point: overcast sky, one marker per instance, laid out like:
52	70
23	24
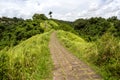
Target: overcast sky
62	9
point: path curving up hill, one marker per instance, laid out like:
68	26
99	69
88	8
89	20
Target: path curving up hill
67	66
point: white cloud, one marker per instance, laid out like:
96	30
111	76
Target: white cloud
107	9
62	9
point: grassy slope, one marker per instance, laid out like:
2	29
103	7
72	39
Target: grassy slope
47	25
102	55
74	43
29	60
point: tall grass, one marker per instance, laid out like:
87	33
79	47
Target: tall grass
77	45
108	58
103	55
48	25
29	60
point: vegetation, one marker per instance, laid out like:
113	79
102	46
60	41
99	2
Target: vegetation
15	30
65	25
24	45
93	28
105	35
29	60
102	54
23	57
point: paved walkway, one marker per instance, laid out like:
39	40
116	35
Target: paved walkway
67	66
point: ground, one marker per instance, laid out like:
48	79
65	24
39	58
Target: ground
67	66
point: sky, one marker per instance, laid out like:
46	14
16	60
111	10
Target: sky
62	9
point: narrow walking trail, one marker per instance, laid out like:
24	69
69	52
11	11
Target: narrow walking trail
67	66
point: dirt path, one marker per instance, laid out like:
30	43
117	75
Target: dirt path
67	66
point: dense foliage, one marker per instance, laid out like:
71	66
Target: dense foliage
105	33
14	30
93	28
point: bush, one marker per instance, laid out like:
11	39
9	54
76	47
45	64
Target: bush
108	48
4	64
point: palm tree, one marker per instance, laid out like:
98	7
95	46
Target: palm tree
50	13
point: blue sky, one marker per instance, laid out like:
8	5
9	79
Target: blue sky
62	9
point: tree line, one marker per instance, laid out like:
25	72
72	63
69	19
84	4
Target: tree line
14	30
93	28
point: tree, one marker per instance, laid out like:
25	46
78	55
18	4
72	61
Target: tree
112	19
39	17
50	13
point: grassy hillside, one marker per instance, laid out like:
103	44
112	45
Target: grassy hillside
26	56
15	30
103	55
57	25
30	60
47	25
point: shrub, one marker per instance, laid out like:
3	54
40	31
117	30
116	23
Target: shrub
108	48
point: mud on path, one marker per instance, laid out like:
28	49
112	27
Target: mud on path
67	66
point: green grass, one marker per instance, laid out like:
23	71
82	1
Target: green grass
48	25
75	44
30	60
103	55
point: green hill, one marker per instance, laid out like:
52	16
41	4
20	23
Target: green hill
24	52
30	60
15	30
